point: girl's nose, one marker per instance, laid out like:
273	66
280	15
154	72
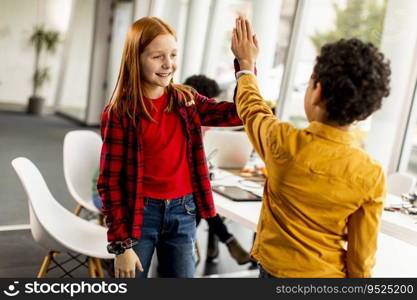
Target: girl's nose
167	63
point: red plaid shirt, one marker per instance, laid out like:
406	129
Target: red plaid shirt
121	166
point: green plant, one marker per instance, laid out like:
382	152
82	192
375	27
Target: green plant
44	41
363	19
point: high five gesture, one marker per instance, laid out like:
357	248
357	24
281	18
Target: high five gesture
245	46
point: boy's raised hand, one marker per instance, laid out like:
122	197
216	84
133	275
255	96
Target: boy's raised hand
244	44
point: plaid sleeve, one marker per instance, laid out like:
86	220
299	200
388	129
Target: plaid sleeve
213	113
109	181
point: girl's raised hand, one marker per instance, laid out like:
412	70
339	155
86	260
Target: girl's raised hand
245	46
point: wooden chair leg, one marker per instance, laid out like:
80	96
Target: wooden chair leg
45	264
91	268
99	269
78	209
101	219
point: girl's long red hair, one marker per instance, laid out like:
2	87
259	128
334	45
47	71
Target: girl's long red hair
127	94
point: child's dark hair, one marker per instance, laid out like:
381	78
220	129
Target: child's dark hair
354	77
203	85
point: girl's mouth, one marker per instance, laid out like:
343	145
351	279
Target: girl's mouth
163	74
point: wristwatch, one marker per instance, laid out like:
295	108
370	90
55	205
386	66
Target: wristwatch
120	247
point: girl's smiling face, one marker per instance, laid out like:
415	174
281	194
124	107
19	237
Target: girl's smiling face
158	63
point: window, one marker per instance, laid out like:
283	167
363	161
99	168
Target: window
322	22
408	161
272	24
219	58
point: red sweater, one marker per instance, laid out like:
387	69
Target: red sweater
166	171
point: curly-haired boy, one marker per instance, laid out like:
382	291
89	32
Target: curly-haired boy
324	196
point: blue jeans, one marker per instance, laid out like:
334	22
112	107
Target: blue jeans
169	226
263	273
97	202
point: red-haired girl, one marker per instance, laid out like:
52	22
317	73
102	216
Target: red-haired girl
153	173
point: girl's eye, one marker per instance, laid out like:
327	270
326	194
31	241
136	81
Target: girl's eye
157	57
174	55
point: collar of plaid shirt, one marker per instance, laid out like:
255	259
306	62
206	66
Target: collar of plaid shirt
121	166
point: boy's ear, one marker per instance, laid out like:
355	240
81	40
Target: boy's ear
317	95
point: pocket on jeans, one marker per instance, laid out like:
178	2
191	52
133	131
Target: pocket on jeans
190	207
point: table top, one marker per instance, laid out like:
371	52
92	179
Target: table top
248	176
395	224
244	213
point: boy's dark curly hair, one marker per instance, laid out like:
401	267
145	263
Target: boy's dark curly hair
354	77
203	85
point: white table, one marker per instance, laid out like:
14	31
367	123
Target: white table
400	226
394	224
244	213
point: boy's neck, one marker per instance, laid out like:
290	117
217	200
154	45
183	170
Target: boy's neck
335	125
321	116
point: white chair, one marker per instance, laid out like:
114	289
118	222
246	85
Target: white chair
55	228
400	183
81	159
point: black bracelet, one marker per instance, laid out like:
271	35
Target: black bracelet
120	247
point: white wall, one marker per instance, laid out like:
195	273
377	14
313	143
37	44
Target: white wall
74	93
17	19
174	12
121	23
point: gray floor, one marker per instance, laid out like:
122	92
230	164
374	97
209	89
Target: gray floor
21	256
40	139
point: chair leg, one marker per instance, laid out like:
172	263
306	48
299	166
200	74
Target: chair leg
78	209
91	268
45	264
99	269
101	219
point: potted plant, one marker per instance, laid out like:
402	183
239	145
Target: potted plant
43	41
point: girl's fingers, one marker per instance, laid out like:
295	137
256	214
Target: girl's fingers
243	28
255	41
234	37
238	29
139	266
249	31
